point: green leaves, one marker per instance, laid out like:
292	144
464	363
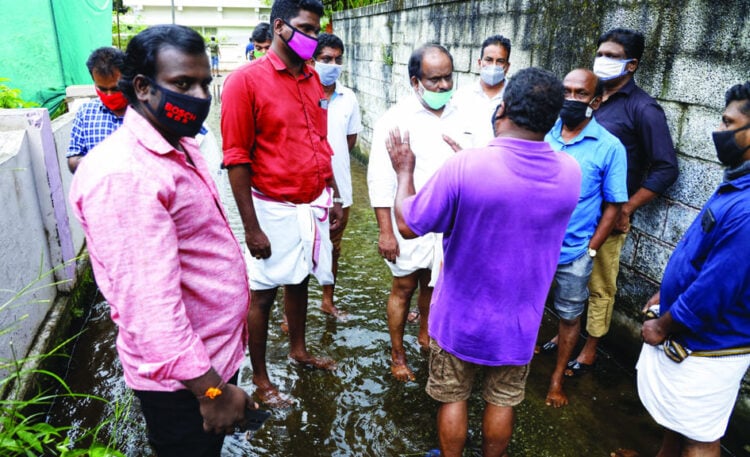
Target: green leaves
11	98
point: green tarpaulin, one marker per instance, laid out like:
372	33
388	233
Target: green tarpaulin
46	43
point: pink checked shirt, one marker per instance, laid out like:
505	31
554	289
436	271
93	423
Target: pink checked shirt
163	256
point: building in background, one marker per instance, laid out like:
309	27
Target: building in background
230	21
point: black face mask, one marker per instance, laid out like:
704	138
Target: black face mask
727	149
180	113
574	112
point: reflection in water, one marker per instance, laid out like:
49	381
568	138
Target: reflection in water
360	410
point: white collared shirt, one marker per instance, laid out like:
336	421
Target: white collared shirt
344	119
476	110
425	136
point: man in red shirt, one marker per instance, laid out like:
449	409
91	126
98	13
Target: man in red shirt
274	127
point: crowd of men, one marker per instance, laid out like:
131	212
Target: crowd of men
522	187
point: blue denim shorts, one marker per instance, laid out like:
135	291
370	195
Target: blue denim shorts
570	286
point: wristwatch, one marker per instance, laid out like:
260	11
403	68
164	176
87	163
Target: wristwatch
592	253
338	200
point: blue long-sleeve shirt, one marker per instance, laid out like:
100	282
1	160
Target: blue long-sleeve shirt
706	284
637	120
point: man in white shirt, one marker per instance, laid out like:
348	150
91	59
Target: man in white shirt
425	114
344	124
478	101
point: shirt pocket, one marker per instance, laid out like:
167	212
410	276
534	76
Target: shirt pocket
591	180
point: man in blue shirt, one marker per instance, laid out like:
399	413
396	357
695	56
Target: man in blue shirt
603	165
97	119
704	304
637	120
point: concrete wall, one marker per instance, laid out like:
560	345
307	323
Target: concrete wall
37	238
696	49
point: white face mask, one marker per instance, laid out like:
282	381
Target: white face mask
328	72
492	75
607	68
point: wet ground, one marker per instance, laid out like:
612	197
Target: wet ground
359	410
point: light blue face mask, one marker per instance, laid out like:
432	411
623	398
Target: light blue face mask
435	100
492	75
328	72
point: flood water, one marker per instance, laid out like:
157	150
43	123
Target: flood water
360	410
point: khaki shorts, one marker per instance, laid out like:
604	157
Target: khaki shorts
451	379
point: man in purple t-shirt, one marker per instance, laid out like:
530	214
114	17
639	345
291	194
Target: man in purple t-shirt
503	210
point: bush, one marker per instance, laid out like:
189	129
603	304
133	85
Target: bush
11	98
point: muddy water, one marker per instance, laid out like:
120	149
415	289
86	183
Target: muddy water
359	410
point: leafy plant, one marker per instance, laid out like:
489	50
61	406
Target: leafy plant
11	98
24	430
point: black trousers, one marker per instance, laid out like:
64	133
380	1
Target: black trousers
175	424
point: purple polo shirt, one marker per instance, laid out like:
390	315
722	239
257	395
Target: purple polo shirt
503	210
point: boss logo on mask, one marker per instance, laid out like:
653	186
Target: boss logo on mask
178	114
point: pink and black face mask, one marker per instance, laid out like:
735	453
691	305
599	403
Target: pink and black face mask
302	45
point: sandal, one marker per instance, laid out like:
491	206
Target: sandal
413	317
576	368
548	347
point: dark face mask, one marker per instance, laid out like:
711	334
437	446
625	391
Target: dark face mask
180	113
574	112
727	149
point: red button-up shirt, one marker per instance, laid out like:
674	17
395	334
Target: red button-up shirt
277	123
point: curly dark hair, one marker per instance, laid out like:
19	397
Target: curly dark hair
140	56
533	98
105	61
328	40
740	92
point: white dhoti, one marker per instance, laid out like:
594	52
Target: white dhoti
300	242
694	398
415	254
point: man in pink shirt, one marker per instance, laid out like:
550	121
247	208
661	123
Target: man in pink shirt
162	250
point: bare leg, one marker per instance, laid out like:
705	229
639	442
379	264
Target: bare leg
398	305
567	337
423	302
452	424
588	353
497	428
671	444
295	304
328	306
693	448
257	323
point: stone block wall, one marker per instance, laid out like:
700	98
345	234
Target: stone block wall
695	50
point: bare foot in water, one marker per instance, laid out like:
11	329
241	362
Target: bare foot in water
624	453
320	363
272	398
330	308
555	396
399	369
402	372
